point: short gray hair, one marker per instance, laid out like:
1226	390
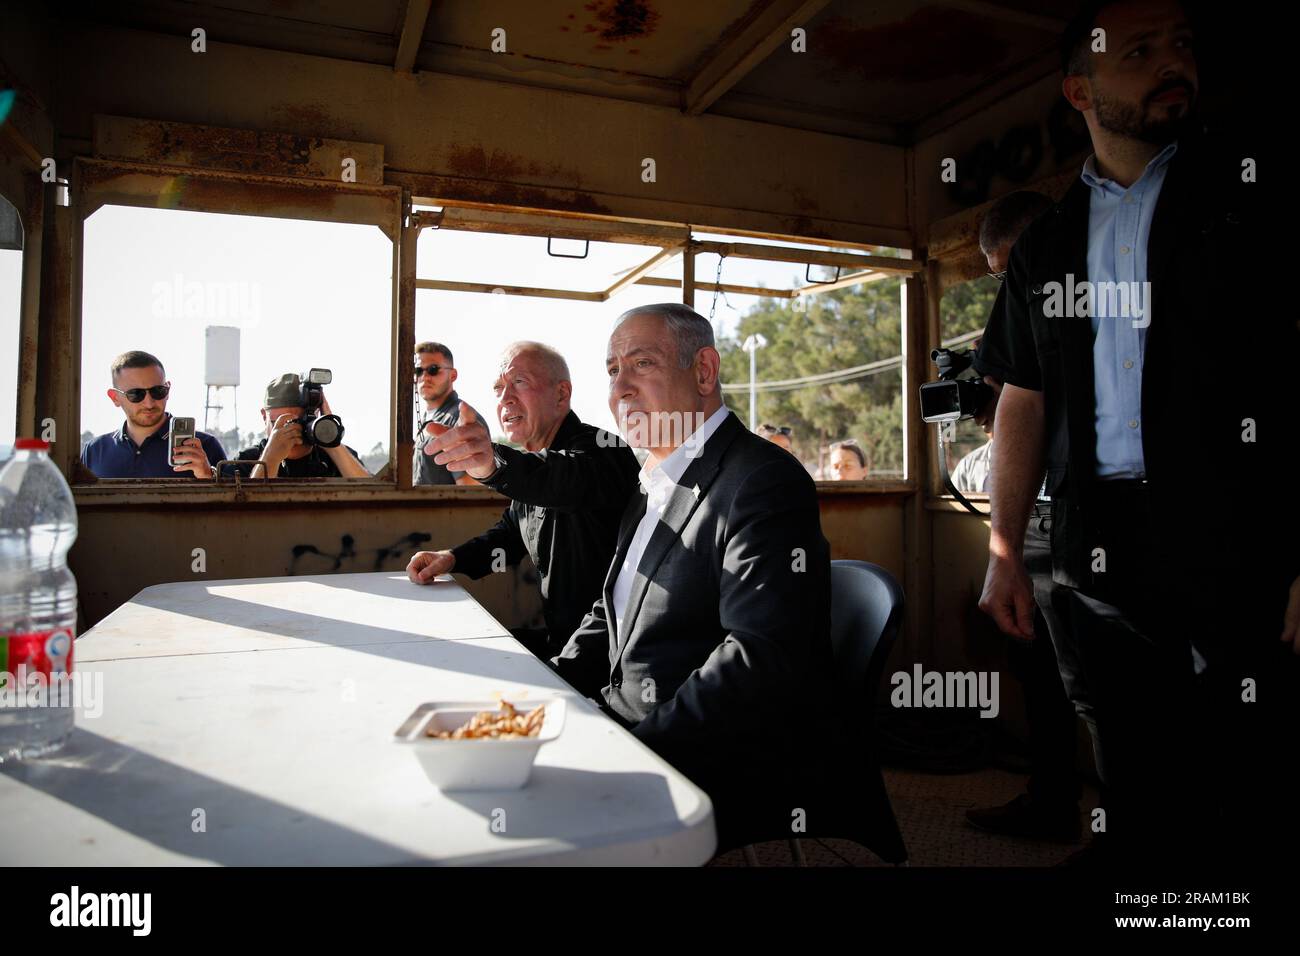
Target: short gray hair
557	369
690	330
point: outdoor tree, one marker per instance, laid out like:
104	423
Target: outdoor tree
839	330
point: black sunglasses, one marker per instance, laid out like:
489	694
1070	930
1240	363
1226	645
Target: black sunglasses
782	430
134	395
430	370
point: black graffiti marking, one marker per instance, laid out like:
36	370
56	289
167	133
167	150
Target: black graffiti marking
399	550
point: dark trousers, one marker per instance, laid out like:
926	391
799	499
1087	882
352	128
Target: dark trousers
1165	637
535	640
1053	777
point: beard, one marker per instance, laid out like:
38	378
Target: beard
436	397
1144	121
142	419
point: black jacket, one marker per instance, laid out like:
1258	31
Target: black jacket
566	505
318	464
725	662
1213	405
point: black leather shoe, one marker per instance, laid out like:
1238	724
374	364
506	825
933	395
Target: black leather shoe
1023	818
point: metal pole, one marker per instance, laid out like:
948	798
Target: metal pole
753	392
751	345
688	272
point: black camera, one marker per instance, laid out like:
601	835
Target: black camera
318	429
951	398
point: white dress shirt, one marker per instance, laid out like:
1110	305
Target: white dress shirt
657	484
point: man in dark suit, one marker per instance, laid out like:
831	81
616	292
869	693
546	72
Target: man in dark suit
1116	299
711	638
568	488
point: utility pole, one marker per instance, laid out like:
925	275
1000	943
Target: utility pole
752	345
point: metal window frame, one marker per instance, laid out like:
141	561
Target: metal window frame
97	183
671	241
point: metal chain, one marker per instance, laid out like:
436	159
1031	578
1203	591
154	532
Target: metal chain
717	287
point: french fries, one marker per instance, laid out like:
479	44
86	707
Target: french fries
503	724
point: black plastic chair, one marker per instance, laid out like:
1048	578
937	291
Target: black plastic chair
866	616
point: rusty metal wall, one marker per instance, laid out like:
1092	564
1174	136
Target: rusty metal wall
460	138
123	549
120	550
1027	137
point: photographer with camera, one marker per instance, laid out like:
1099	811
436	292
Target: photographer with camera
1049	809
303	437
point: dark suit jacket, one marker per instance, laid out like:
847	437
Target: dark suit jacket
565	512
1205	376
724	662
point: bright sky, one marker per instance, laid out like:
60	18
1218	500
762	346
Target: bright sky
476	326
310	294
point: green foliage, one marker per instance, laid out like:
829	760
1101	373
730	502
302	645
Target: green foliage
839	330
965	307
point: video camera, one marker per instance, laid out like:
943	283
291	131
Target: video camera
951	398
318	429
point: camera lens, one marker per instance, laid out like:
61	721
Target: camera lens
327	431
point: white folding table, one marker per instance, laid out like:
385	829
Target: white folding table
251	722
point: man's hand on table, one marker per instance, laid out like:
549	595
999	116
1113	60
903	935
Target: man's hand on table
427	565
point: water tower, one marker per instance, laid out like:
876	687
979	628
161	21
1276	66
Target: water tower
220	371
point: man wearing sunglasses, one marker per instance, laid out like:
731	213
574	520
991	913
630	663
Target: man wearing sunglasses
434	377
139	448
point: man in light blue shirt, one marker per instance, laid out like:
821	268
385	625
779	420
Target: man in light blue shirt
1119	225
1163	601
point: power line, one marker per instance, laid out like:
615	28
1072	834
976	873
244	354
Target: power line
845	374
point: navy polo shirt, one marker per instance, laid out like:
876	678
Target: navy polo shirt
116	455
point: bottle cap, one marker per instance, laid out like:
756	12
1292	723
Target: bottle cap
33	444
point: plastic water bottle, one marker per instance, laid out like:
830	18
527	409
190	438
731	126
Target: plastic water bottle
38	603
